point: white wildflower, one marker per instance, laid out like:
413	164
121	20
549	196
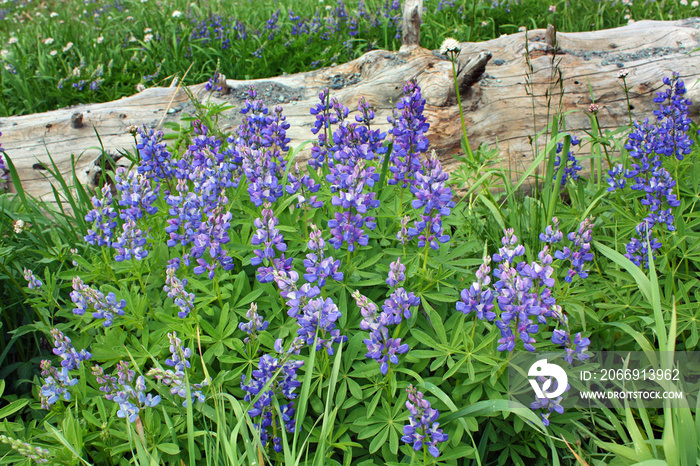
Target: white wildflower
695	4
100	39
147	30
18	225
684	2
140	87
68	46
147	38
12	40
522	29
53	53
450	45
48	41
552	9
177	14
53	14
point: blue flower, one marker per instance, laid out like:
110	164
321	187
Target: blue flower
423	428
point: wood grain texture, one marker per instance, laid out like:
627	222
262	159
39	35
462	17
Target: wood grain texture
498	109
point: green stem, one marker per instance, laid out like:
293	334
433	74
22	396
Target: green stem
461	110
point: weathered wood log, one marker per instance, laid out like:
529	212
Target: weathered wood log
498	104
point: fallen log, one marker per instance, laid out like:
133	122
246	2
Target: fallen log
503	82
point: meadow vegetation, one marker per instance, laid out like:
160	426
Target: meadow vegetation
219	303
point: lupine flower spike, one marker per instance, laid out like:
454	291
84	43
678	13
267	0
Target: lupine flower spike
423	428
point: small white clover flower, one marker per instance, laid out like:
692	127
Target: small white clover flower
147	30
695	4
684	2
100	39
48	41
68	46
18	226
12	40
450	45
147	38
177	14
53	14
53	53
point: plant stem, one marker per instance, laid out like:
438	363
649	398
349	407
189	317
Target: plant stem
461	110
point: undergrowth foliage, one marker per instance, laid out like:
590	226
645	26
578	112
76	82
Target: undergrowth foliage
227	304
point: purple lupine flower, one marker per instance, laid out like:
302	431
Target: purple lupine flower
510	248
269	239
199	218
176	291
260	142
402	234
581	254
254	325
435	199
672	117
552	234
319	267
479	298
63	347
423	428
408	135
155	159
571	165
547	406
398	305
56	384
216	83
58	381
379	346
646	143
524	291
107	383
32	281
268	366
320	315
102	217
637	249
328	112
304	187
177	380
397	273
354	145
107	308
136	195
85	297
616	178
179	356
131	243
129	393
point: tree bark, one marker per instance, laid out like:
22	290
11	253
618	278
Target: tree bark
506	96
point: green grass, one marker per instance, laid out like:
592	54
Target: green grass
49	47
